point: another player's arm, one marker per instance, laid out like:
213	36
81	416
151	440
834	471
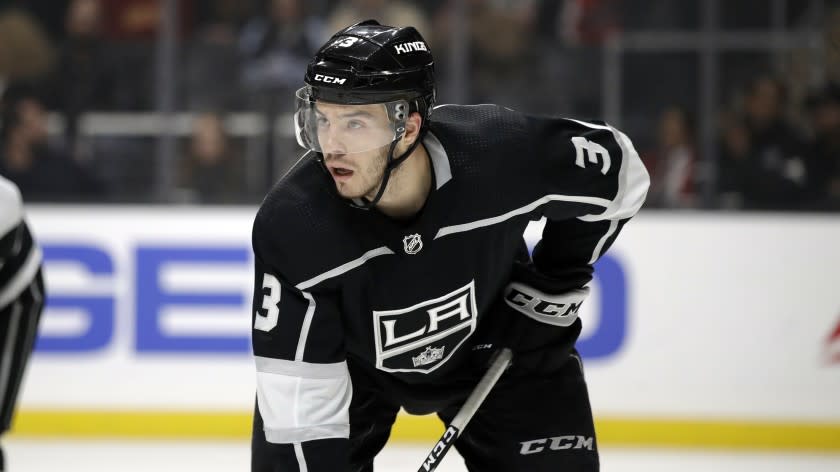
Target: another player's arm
21	297
301	418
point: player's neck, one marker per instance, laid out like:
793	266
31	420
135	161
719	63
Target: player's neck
408	187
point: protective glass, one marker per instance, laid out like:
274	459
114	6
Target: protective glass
337	128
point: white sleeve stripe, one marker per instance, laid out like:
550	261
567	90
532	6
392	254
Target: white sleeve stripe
521	211
307	370
590	125
296	409
311	433
346	267
23	278
304	330
300	457
600	246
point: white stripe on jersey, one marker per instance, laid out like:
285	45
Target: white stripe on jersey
304	330
598	247
346	267
9	350
447	230
320	397
300	457
22	278
439	158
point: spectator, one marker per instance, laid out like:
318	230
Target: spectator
771	174
589	21
213	52
275	47
397	13
41	173
735	148
824	157
212	171
502	55
84	78
672	164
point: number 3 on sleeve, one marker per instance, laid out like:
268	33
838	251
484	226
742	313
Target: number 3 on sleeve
268	321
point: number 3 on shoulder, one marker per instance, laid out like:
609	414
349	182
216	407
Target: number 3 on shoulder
268	321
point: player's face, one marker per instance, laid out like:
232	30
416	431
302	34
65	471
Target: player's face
342	129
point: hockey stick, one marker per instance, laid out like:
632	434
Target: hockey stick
479	393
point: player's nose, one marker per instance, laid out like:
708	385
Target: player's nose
331	144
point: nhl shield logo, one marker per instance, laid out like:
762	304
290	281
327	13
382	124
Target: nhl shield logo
412	243
422	337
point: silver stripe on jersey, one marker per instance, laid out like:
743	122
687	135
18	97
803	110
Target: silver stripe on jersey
346	267
307	322
300	457
447	230
16	325
307	370
440	161
596	253
34	312
22	279
9	350
291	167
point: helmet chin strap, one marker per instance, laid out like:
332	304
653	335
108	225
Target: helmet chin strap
393	163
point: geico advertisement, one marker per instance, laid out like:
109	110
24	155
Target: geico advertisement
689	315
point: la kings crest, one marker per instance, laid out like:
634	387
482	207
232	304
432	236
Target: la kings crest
424	336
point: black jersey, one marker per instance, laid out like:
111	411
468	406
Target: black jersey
406	298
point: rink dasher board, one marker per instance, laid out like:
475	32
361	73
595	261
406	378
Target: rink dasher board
726	323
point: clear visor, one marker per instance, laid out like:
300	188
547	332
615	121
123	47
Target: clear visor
336	128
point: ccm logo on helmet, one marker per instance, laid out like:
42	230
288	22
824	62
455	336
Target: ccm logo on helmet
328	79
411	47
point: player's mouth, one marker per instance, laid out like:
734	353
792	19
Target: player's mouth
340	174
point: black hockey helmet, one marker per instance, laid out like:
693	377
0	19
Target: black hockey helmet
368	64
372	63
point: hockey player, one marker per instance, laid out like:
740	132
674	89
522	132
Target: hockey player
390	264
21	299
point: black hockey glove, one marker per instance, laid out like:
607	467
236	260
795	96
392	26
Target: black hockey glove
542	324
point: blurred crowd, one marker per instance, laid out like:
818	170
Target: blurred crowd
777	131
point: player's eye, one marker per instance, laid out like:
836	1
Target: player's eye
322	122
355	124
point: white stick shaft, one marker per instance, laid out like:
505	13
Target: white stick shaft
468	409
480	392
